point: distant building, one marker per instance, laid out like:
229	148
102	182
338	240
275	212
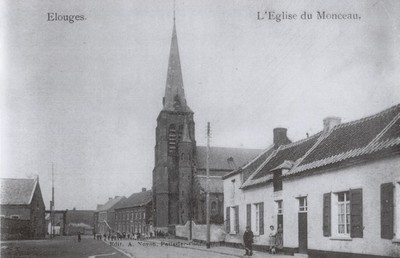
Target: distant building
105	216
134	214
335	194
180	165
22	209
60	217
79	221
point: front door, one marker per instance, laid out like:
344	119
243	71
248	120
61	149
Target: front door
303	232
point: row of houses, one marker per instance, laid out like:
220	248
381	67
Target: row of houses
335	193
132	215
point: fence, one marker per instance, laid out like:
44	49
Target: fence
199	232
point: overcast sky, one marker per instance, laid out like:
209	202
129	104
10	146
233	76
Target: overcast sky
86	95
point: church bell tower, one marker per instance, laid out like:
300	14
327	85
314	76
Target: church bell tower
175	144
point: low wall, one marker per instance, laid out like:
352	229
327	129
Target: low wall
199	232
15	229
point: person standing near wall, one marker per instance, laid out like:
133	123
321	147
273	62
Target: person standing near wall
272	240
248	241
279	238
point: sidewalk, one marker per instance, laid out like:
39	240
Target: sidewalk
234	252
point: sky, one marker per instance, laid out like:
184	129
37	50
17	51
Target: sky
85	95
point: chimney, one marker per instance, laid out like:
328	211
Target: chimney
143	189
231	163
109	198
280	136
330	122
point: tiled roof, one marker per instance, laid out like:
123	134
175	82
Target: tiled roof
216	184
376	135
291	152
353	140
108	206
219	157
135	200
16	191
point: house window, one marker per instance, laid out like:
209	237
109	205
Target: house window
144	215
302	204
233	188
343	213
397	211
233	219
14	216
257	218
390	211
279	207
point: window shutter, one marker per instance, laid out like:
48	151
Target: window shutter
356	220
327	215
248	207
387	215
237	219
228	219
262	218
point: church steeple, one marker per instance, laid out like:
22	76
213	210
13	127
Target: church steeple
174	99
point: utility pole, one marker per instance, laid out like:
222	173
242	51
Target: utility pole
52	201
208	185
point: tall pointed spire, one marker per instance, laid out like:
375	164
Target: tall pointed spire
174	99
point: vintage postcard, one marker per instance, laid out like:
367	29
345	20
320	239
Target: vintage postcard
186	128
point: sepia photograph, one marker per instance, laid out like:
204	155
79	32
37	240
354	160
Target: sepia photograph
183	128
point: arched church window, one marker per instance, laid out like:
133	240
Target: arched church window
171	139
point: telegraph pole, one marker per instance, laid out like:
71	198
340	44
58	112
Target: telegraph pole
208	185
52	201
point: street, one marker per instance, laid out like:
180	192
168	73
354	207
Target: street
66	247
60	247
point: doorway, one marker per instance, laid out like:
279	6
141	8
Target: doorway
303	236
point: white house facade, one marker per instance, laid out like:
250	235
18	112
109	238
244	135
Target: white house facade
336	193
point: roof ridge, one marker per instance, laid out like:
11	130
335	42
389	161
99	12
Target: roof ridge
206	176
319	140
257	170
249	163
238	148
17	178
258	156
384	130
367	117
33	190
292	144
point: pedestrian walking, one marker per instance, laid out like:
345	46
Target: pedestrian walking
248	241
79	236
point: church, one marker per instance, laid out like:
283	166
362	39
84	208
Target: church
179	174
